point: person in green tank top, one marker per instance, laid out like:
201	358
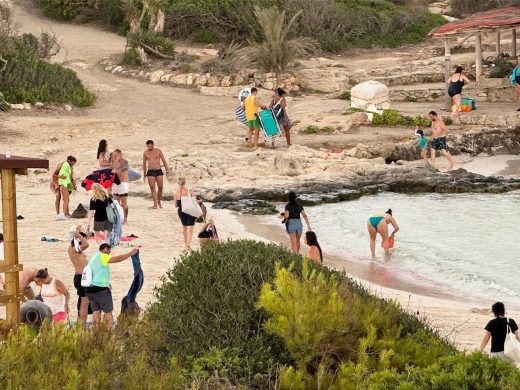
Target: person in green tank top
98	293
423	144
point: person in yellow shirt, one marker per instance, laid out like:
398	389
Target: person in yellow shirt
66	185
252	105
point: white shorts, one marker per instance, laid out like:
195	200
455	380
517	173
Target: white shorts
120	189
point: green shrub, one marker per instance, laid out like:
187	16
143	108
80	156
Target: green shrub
344	95
313	129
217	65
394	118
206	35
410	99
503	68
61	9
352	110
131	57
65	358
157	42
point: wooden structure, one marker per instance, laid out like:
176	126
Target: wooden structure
10	166
493	21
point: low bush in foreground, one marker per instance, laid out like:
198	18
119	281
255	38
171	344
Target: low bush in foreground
248	315
394	118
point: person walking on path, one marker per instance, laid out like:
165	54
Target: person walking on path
455	83
152	158
98	211
103	156
379	224
187	220
62	184
439	140
279	104
120	191
423	144
54	294
314	253
76	251
99	293
497	329
293	222
252	105
515	79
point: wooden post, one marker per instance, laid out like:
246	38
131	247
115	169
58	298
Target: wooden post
447	71
478	54
498	50
10	244
513	43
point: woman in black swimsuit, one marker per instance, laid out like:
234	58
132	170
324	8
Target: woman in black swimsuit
456	82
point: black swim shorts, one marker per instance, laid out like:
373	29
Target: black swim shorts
154	172
439	143
79	288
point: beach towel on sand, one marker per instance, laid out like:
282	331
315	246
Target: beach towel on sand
105	177
128	304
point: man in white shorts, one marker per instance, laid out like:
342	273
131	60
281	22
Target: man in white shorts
120	191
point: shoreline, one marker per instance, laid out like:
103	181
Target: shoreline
461	321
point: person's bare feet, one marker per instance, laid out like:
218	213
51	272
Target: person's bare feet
154	207
160	205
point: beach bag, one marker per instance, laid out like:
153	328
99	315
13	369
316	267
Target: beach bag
241	115
469	102
86	276
80	212
190	205
133	175
511	345
278	112
111	210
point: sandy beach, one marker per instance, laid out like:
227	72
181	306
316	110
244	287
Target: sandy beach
202	142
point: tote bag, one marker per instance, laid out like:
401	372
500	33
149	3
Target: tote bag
111	213
190	205
511	345
86	276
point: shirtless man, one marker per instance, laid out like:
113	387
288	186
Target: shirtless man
120	191
152	158
438	142
27	276
79	261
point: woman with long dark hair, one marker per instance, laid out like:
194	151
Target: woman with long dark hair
102	154
293	222
379	224
314	253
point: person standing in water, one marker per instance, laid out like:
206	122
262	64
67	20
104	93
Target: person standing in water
54	294
76	252
497	329
379	224
455	83
439	141
152	158
187	220
314	253
103	156
293	222
120	191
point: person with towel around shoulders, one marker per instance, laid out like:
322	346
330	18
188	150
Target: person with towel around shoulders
187	221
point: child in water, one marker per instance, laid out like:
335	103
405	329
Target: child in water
423	143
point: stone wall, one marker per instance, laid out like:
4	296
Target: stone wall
483	94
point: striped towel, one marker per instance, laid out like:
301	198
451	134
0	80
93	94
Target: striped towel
241	115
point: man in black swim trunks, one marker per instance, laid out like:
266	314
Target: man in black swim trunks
438	142
77	247
152	158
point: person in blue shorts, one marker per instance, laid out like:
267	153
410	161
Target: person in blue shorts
293	222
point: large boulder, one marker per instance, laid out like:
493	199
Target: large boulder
370	93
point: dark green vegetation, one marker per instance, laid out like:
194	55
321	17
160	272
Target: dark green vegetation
245	314
503	68
464	8
335	24
29	77
394	118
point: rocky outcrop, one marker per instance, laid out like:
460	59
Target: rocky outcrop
401	179
248	206
370	95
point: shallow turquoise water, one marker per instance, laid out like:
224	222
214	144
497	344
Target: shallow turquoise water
466	243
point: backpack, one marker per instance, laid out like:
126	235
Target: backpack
80	212
86	276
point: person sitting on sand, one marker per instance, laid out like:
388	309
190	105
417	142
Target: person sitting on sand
379	224
98	293
279	104
497	329
54	294
120	191
455	83
423	144
208	233
152	158
103	156
314	253
252	105
439	141
76	251
187	220
293	222
98	211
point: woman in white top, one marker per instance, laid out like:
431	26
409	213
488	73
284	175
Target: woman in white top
54	294
102	154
